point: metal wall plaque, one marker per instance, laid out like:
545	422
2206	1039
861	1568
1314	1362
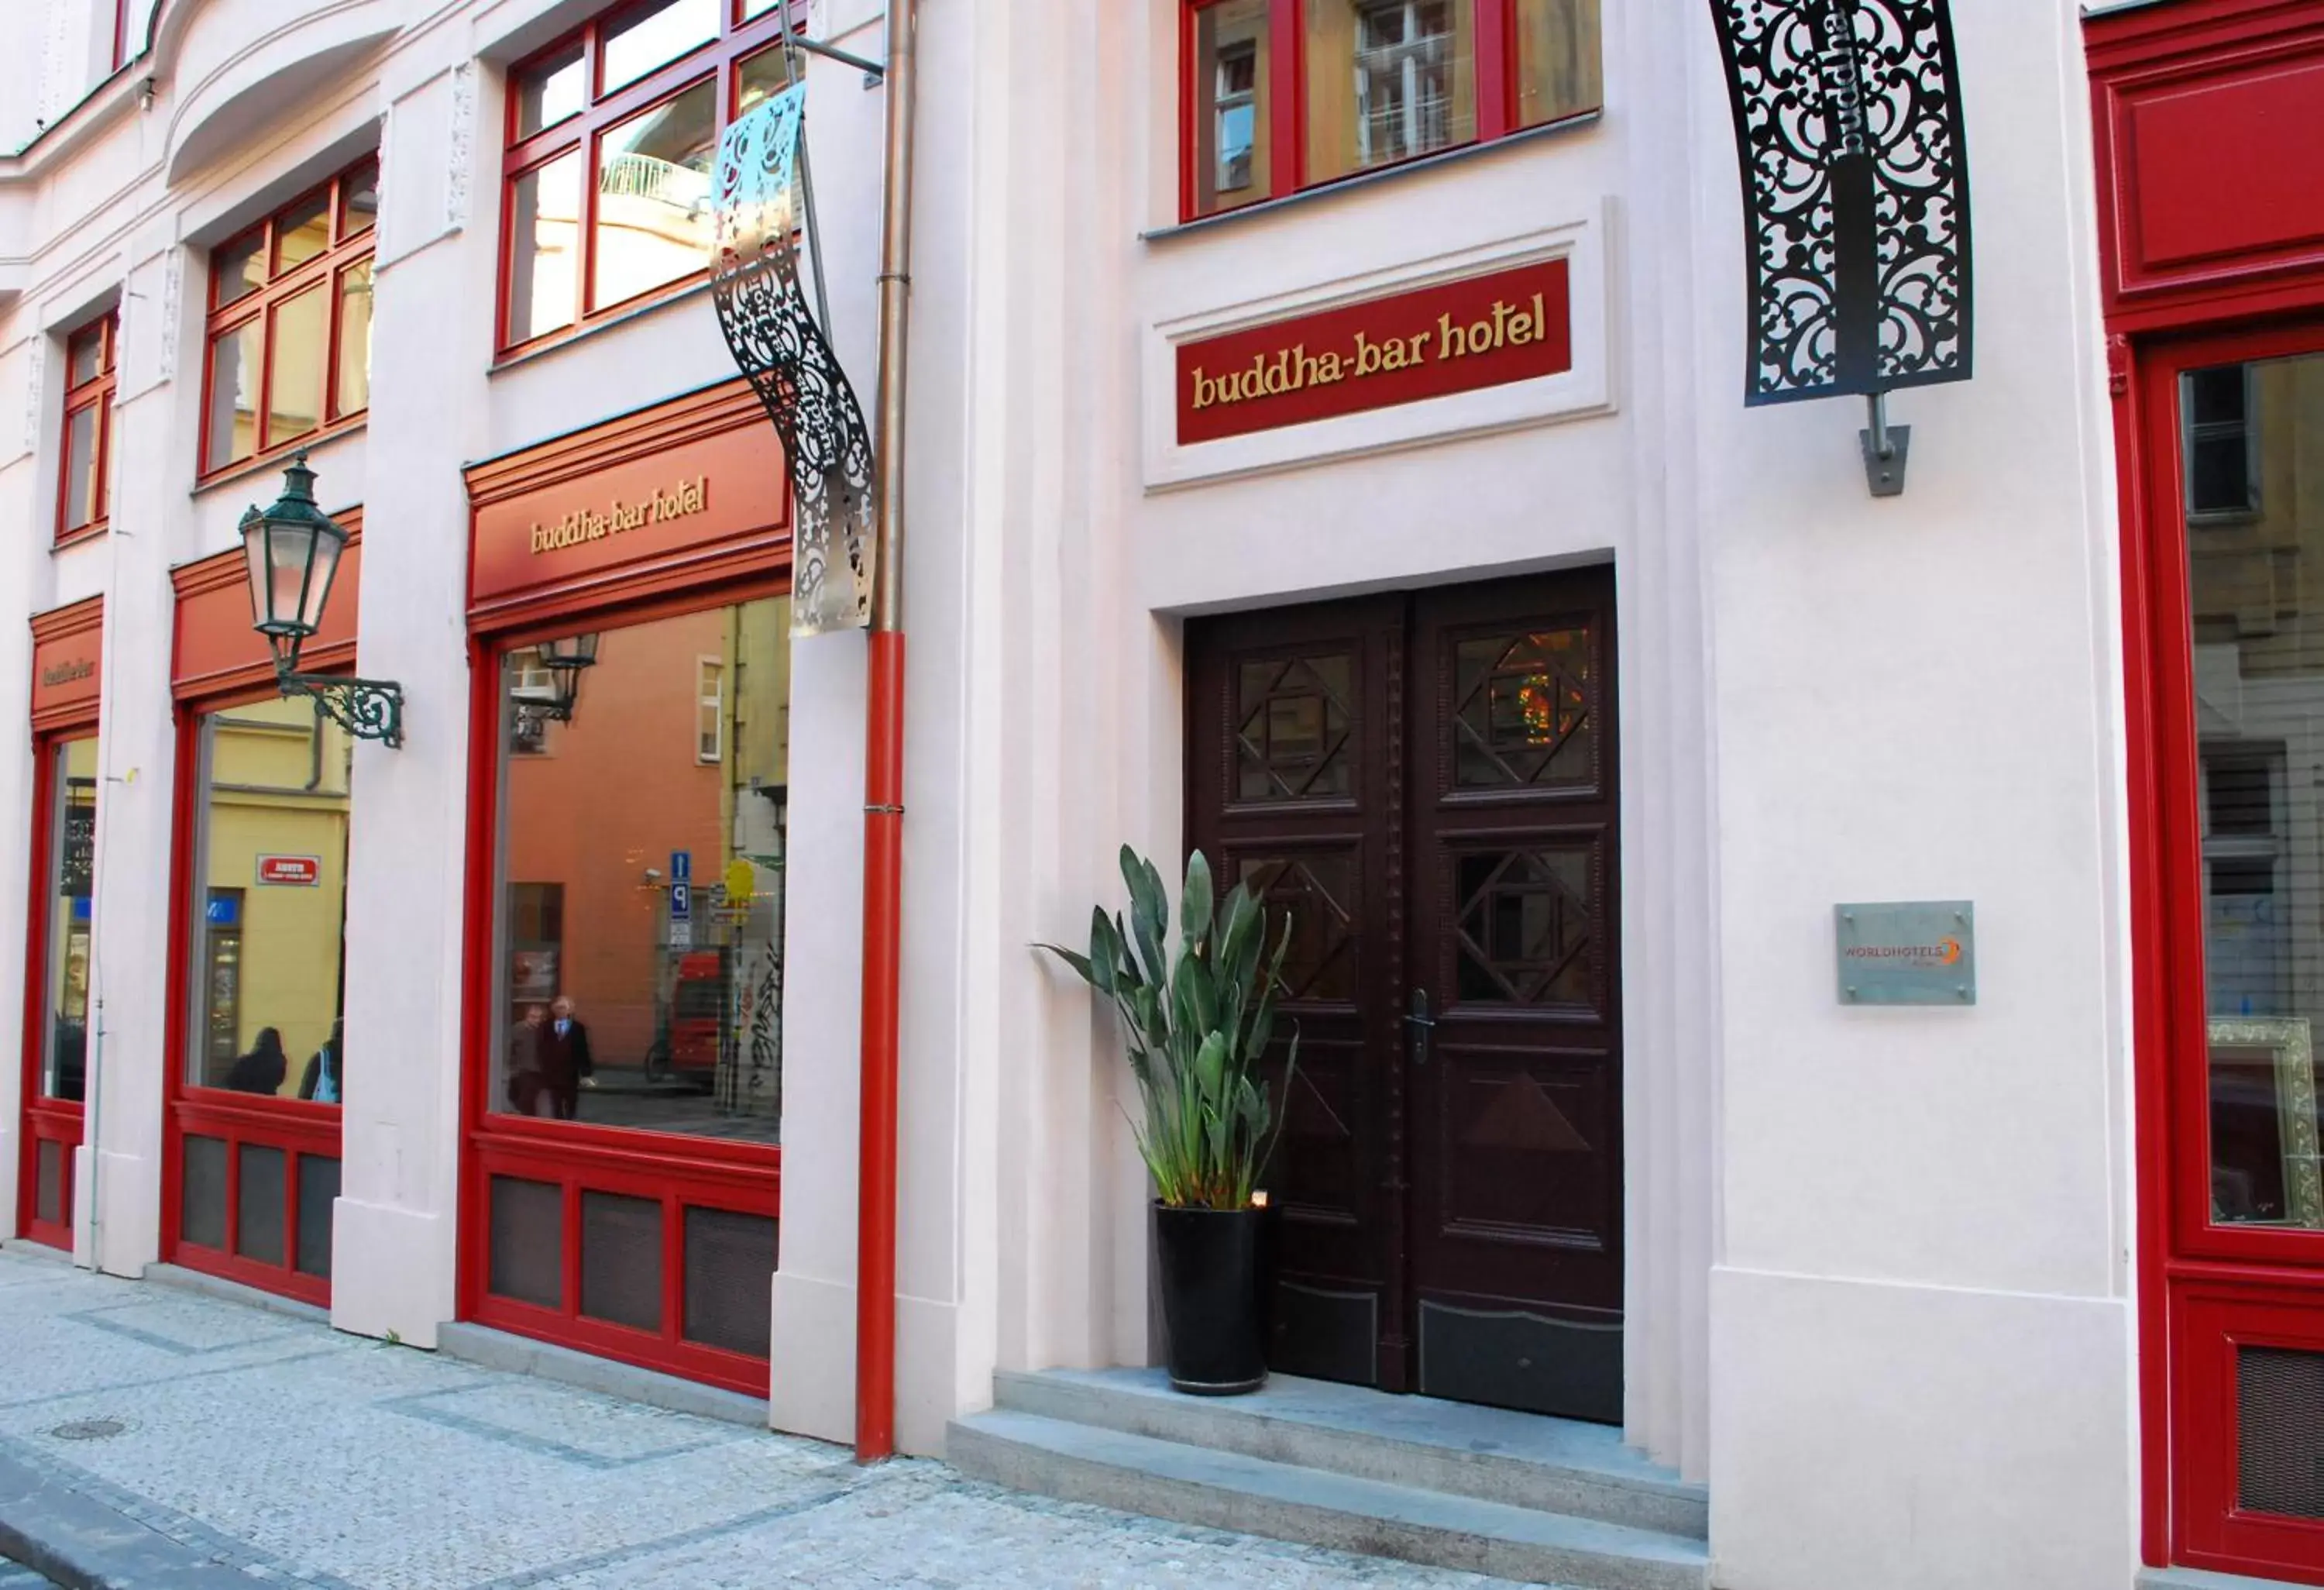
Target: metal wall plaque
1917	952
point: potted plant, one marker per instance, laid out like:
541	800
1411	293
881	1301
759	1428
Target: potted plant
1197	1019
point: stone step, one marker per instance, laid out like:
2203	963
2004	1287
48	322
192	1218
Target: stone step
1519	1459
1234	1490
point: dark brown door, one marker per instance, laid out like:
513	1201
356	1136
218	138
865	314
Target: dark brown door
1426	783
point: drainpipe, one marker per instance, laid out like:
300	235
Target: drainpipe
883	785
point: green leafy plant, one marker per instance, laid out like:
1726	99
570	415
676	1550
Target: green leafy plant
1197	1018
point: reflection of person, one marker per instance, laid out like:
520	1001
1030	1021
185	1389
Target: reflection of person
327	1070
565	1059
71	1049
260	1070
525	1061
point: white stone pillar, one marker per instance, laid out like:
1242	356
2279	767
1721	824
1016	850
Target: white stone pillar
407	853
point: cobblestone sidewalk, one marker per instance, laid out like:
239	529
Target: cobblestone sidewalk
299	1455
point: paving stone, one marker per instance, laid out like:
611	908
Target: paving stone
287	1454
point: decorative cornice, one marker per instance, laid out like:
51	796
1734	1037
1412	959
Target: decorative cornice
174	281
36	366
711	411
86	616
460	146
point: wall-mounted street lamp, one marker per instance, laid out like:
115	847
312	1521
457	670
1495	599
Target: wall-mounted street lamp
292	552
564	659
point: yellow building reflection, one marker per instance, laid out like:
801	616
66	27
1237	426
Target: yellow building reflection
277	781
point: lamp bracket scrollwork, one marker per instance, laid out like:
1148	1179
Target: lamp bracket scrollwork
369	709
782	348
1849	132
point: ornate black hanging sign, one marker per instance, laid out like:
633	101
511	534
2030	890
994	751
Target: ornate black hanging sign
1847	123
782	349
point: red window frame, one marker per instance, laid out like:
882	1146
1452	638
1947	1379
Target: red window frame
298	1128
1497	93
2203	1290
95	393
582	131
678	1170
45	1120
120	33
212	624
350	246
2227	1286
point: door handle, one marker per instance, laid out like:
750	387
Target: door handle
1419	1025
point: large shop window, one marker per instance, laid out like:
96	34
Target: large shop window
83	500
1281	95
612	133
639	896
2253	434
73	846
290	323
269	969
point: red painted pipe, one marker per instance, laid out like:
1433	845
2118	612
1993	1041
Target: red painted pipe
883	786
883	871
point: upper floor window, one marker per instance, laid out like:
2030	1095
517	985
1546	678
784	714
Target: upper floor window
290	322
612	134
83	504
1282	94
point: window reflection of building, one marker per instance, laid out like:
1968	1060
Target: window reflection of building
676	747
2254	440
1388	80
73	847
271	902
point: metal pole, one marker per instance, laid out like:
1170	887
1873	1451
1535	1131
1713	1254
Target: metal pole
883	784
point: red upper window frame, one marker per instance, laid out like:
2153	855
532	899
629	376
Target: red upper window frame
102	336
1498	91
741	37
351	240
120	33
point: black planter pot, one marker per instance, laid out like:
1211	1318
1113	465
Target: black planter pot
1209	1263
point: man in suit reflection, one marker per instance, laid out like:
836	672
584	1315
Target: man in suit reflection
563	1047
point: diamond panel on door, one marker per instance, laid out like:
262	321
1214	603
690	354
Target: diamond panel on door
1526	926
1525	709
1294	729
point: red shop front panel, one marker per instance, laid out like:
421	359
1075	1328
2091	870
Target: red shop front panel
59	923
620	1180
2212	253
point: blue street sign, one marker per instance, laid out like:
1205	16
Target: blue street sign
681	901
681	866
223	910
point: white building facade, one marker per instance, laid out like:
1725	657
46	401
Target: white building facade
1568	693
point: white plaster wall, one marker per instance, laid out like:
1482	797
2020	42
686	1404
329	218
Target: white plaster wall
1920	1317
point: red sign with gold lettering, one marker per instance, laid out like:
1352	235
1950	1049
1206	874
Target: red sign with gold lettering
649	488
68	651
1455	336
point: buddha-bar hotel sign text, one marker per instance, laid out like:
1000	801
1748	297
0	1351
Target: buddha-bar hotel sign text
1454	336
586	524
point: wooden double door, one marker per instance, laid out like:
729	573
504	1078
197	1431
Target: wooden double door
1426	783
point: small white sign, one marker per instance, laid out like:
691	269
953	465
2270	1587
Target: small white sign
681	934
